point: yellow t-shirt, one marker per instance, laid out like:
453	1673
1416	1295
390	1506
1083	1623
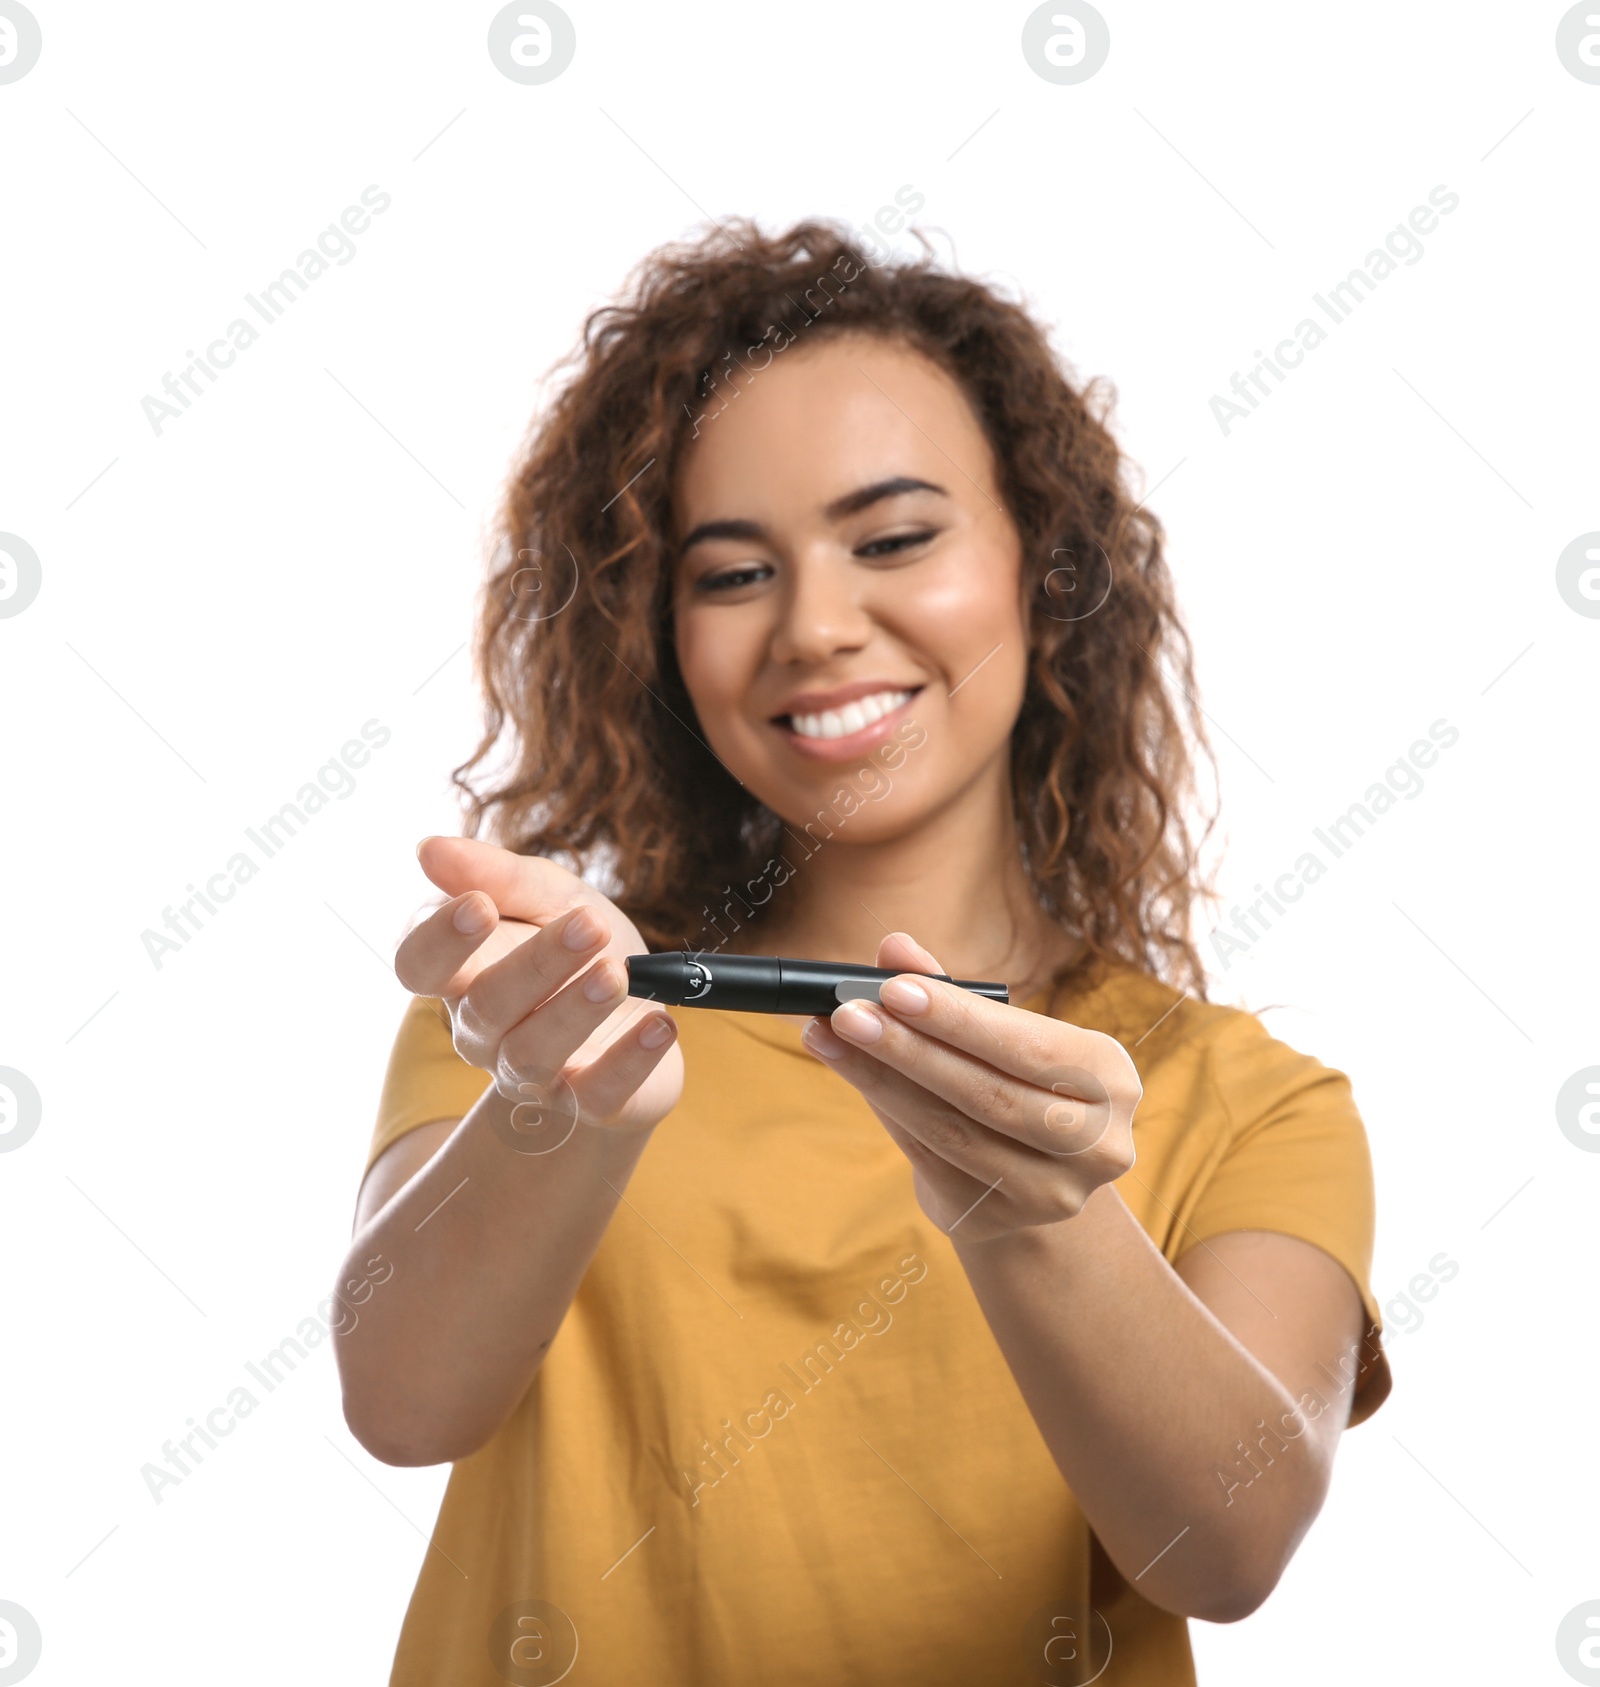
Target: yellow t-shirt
774	1439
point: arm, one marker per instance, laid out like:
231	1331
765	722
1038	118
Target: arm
1144	1379
1162	1393
490	1222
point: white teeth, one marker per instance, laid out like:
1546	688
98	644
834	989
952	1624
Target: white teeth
836	723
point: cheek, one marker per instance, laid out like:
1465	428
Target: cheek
719	656
961	614
701	660
972	594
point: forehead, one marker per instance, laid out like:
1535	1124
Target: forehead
822	420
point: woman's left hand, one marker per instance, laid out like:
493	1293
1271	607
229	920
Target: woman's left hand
1010	1119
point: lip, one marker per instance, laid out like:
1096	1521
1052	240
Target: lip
852	744
815	702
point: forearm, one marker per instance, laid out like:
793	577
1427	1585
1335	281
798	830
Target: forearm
1142	1397
488	1246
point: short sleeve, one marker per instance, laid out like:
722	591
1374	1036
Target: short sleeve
426	1079
1297	1162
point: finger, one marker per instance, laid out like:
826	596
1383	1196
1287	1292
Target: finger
918	1153
435	950
548	1037
960	1160
1031	1046
522	887
957	1194
608	1083
503	995
1066	1120
944	1129
900	952
953	1185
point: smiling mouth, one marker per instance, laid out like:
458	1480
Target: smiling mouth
852	717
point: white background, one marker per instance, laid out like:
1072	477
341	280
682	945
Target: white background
225	603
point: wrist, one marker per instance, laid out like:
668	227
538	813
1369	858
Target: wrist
543	1128
1034	1244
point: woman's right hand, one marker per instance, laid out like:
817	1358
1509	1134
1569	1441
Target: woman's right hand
537	992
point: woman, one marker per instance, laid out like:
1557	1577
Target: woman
940	1341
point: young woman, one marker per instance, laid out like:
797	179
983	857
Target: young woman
940	1341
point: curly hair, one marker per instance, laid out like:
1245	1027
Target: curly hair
574	650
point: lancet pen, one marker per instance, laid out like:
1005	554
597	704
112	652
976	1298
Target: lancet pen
766	983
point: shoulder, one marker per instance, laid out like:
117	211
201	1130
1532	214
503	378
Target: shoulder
425	1079
1213	1052
1154	1020
424	1036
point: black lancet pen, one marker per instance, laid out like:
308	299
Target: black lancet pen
766	983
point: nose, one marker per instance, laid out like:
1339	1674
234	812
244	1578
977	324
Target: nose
822	612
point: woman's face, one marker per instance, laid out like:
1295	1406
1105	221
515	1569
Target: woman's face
848	596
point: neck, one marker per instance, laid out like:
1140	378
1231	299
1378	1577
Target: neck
957	884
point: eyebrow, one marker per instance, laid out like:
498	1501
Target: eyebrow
852	503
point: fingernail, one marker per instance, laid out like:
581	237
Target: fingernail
419	846
472	916
657	1032
821	1041
859	1024
582	931
903	996
601	984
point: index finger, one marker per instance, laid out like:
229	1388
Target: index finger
1029	1046
522	887
434	953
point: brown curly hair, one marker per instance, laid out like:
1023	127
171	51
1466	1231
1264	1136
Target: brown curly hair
574	648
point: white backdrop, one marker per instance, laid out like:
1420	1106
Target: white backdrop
226	596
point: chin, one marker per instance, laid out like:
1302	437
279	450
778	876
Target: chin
843	817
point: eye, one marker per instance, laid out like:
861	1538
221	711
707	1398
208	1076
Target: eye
730	579
896	542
